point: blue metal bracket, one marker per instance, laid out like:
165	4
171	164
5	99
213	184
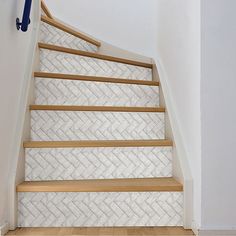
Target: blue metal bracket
26	17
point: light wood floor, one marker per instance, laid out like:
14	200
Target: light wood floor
103	231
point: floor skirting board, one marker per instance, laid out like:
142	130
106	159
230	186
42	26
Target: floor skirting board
216	232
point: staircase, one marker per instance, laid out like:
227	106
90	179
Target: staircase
98	154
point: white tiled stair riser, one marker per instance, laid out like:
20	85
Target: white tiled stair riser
52	35
71	92
100	209
59	62
80	125
97	163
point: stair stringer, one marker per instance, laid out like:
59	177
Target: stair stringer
22	128
180	165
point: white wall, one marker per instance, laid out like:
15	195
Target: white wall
128	24
178	52
218	110
14	62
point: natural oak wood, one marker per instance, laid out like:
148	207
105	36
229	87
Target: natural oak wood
96	108
102	185
98	231
98	143
69	30
93	55
46	10
94	78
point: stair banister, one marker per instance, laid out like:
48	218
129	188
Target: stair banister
25	18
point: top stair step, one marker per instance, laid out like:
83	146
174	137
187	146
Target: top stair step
94	55
45	10
69	30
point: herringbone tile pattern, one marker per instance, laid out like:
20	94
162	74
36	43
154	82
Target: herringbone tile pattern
97	163
70	92
79	125
58	62
52	35
100	209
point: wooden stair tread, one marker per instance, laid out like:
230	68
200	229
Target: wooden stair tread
69	30
102	185
96	108
98	143
94	78
94	55
46	10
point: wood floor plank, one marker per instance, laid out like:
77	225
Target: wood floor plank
103	231
102	185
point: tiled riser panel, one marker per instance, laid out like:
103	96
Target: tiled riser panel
97	163
59	62
78	125
69	92
52	35
100	209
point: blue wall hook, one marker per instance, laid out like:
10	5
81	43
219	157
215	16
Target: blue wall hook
26	17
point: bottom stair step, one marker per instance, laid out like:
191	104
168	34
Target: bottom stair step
101	203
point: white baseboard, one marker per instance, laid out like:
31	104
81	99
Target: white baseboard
4	229
216	232
195	231
194	228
